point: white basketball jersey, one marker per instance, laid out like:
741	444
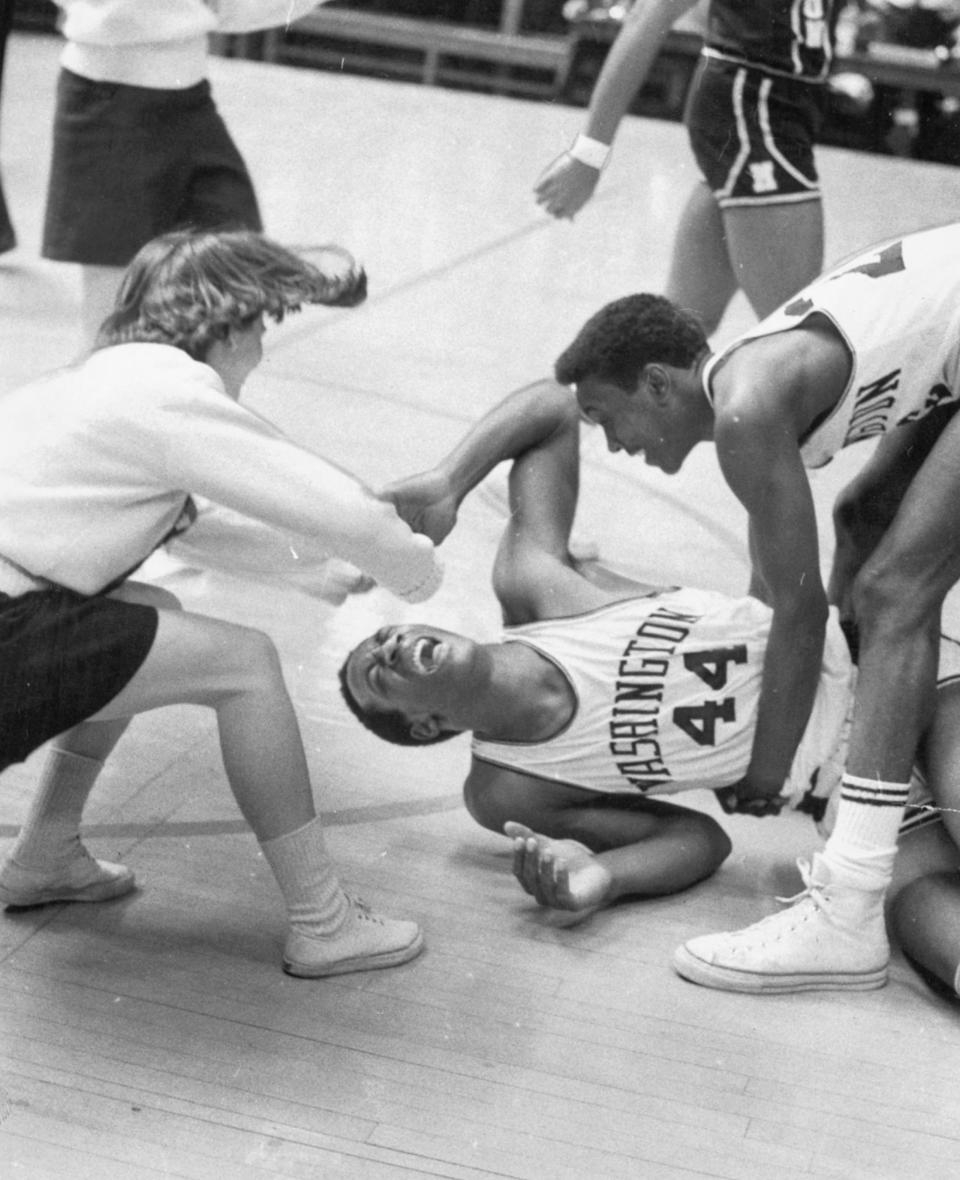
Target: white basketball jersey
666	690
897	307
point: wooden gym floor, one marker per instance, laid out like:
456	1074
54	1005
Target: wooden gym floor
156	1036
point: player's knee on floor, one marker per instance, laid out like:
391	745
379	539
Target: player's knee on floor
717	842
705	836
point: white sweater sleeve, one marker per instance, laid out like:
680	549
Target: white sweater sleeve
119	23
246	16
215	448
225	541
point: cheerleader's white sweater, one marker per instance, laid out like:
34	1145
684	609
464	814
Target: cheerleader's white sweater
96	463
159	44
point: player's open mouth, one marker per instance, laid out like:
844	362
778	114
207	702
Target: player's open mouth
427	655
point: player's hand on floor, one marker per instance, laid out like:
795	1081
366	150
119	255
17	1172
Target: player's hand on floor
559	874
538	870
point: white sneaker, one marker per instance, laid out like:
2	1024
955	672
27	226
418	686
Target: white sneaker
832	936
365	942
81	878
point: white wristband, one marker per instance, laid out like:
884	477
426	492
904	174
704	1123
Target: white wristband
589	151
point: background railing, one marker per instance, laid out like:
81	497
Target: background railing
887	95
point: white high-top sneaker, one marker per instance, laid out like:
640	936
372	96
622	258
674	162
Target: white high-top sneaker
832	936
78	877
364	942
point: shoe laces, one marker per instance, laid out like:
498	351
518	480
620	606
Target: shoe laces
79	851
363	911
812	889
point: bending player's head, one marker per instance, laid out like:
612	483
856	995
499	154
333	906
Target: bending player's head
618	343
634	367
413	685
192	289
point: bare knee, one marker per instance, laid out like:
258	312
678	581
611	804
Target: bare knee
711	836
699	840
241	660
257	654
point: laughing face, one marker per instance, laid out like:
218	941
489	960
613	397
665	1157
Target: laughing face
642	422
422	671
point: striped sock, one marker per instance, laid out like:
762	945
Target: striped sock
863	843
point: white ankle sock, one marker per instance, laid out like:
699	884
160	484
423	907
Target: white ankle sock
316	903
863	844
52	826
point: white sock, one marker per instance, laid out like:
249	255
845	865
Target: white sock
316	903
863	844
50	832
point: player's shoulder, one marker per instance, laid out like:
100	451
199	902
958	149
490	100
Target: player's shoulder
767	383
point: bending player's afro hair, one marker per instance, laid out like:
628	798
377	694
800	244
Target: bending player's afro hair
622	338
389	724
190	289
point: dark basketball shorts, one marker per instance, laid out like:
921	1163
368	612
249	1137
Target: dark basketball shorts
63	657
752	134
130	163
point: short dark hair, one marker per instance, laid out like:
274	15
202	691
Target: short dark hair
389	724
622	338
188	289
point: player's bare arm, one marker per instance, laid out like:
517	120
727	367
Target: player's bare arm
535	576
568	183
757	587
562	867
538	427
760	459
524	419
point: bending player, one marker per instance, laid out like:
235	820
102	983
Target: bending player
871	351
606	695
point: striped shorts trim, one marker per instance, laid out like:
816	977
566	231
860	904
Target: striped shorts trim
752	134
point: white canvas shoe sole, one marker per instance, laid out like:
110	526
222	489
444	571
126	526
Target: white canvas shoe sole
93	880
367	942
731	979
